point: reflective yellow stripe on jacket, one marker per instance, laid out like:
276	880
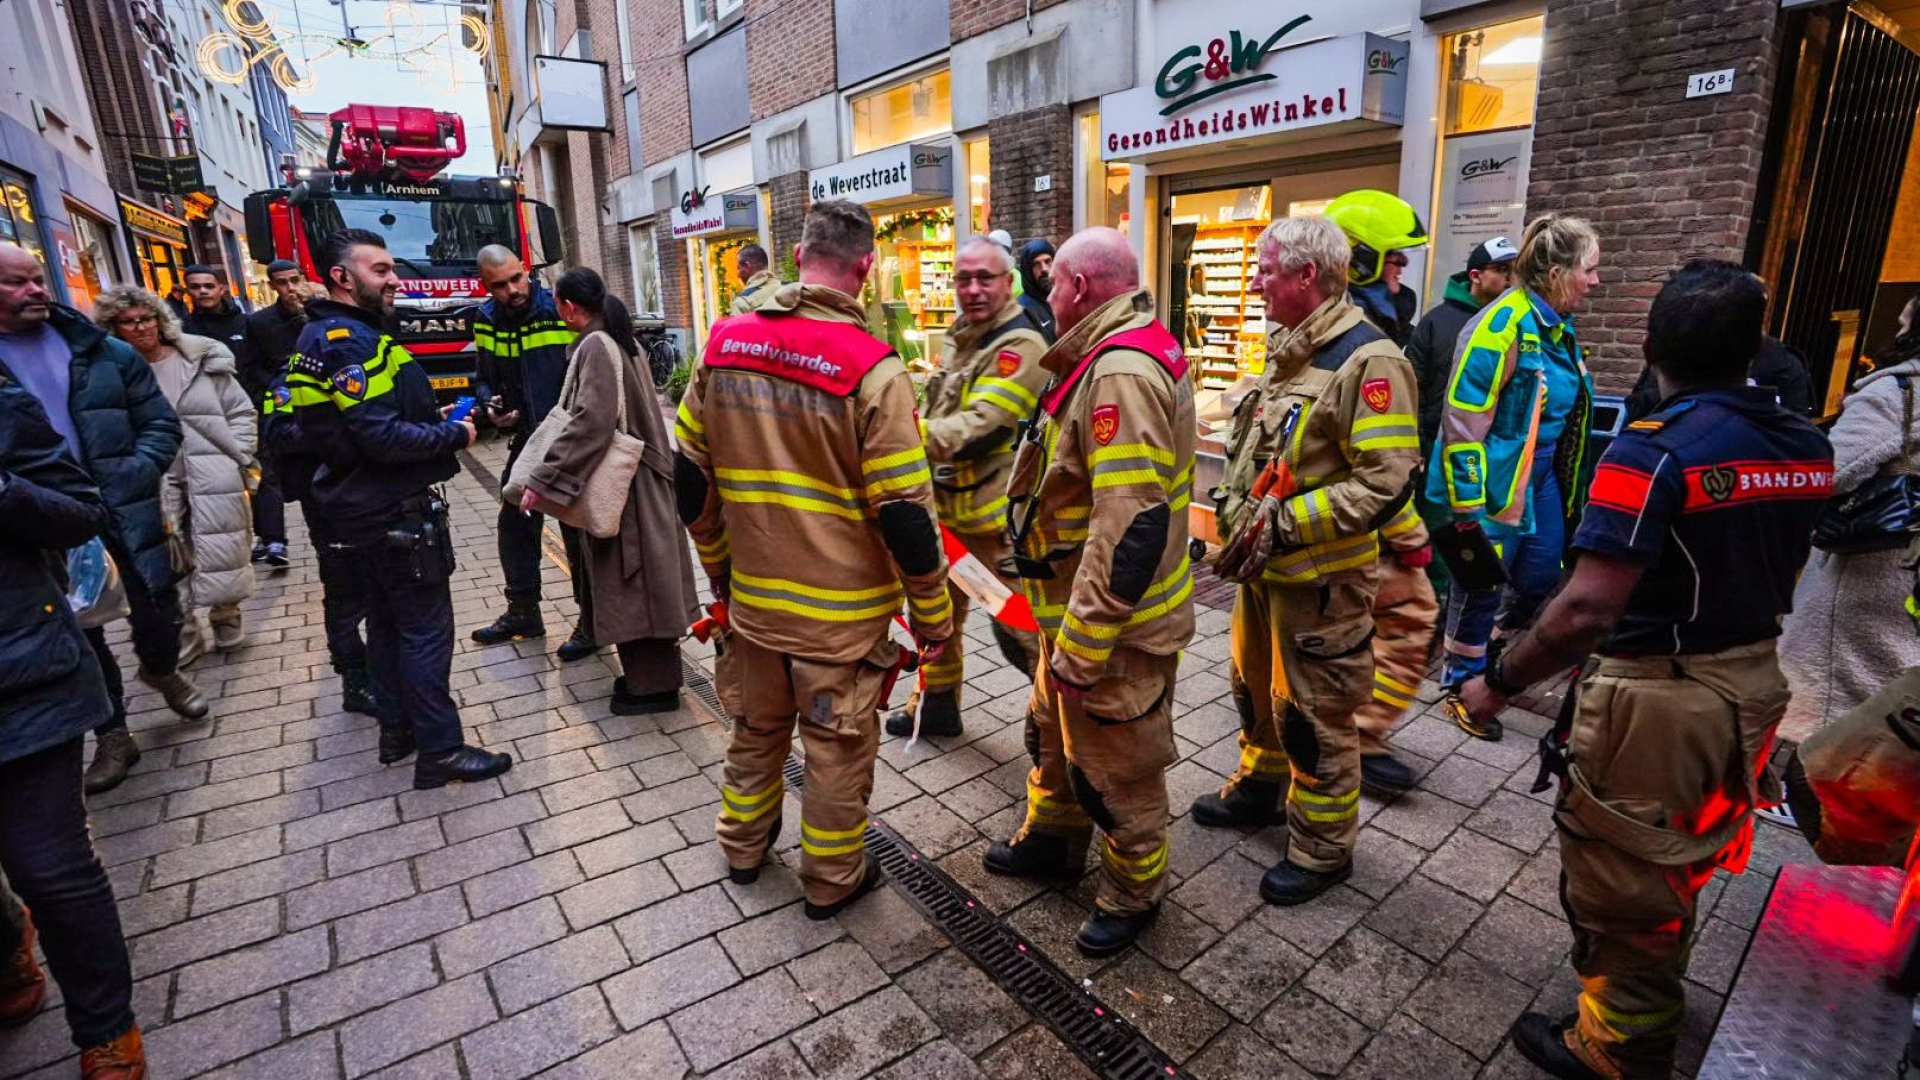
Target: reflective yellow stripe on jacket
813	602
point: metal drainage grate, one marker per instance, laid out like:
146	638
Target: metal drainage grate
1101	1037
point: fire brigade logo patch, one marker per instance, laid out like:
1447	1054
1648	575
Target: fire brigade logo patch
351	381
1718	482
1007	362
1106	423
1378	394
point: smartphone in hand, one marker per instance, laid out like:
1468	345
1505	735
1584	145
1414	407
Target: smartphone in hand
462	409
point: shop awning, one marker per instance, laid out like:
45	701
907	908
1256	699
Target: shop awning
909	172
1350	82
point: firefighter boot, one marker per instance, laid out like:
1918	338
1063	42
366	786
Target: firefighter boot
939	716
870	881
1105	932
1038	855
1287	884
1544	1042
356	691
1246	802
22	984
520	620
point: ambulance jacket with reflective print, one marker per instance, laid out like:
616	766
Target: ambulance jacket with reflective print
367	413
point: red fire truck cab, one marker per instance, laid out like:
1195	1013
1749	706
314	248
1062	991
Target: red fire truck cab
382	174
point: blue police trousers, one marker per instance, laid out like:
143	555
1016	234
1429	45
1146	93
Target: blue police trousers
409	645
343	601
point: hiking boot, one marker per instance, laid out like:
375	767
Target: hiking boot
180	695
939	716
23	986
1245	803
467	764
114	753
122	1059
1039	855
1543	1041
578	646
396	744
277	555
1385	773
1287	884
1105	932
520	621
356	692
1456	711
869	882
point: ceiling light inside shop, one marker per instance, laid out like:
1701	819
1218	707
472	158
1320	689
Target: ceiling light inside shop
1522	50
978	179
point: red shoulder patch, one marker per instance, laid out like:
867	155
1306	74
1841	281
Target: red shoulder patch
1106	423
1378	394
1008	362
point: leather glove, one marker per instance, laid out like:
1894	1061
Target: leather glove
1417	559
1245	557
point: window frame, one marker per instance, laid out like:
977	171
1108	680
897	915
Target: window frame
893	80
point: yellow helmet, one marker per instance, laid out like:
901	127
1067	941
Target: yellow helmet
1375	222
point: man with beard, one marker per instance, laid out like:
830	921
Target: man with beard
1036	283
367	411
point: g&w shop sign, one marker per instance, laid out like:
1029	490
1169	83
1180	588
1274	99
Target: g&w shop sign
907	171
700	212
1246	84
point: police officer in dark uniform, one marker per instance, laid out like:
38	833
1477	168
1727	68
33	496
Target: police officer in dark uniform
367	411
1699	519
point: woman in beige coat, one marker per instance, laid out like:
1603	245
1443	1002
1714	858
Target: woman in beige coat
204	495
642	577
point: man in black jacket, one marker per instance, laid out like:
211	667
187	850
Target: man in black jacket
216	314
270	334
1778	367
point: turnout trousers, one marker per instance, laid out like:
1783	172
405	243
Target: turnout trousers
1302	671
1405	613
837	709
1667	758
1101	759
945	674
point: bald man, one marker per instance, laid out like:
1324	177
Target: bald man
522	361
1101	488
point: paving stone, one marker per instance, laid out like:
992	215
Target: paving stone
663	770
440	801
185	864
359	789
735	1021
615	894
1237	1053
149	785
938	1058
517	884
410	920
1309	1030
627	848
1034	1054
584	791
196	939
325	828
1314	927
1421	819
1718	948
1191	846
152	910
700	864
372	849
224	745
139	841
347	991
316	1057
242	973
1366	975
262	879
948	770
1188	781
966	1004
1176	936
530	1042
260	762
759	943
865	1036
1470	1003
470	859
891	931
669	799
547	972
1224	893
1424	917
279	810
1404	1048
998	892
576	827
640	747
1381	861
1175	1016
931	827
487	941
774	1061
341	897
1514	820
1474	865
1246	971
667	983
492	816
1538	882
1520	940
410	1025
671	923
209	796
202	1043
527	775
649	1052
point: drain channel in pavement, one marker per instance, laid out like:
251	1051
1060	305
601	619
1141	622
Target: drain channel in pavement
1104	1040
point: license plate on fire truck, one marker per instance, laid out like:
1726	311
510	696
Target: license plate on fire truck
451	382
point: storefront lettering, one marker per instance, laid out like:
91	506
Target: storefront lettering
1382	62
694	199
1231	62
834	187
1485	167
1253	119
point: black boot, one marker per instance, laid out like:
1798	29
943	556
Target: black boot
1286	884
578	646
463	763
356	691
1247	802
625	704
1039	855
521	620
113	754
750	874
939	716
1105	933
1385	773
396	744
1543	1042
868	883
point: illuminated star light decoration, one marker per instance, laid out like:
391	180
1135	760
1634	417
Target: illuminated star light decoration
227	56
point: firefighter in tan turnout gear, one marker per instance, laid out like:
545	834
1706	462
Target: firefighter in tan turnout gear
1098	507
1320	457
989	383
804	483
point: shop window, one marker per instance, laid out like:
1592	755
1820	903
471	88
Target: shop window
909	295
646	269
1222	320
727	168
95	252
18	224
979	186
1105	187
1492	76
904	112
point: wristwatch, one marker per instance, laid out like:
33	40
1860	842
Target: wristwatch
1496	677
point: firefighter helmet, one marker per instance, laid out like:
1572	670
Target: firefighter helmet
1375	222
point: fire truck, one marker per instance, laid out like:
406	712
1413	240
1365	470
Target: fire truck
383	174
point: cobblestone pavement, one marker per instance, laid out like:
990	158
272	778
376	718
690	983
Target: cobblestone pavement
297	911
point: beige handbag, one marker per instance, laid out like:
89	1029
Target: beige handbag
603	498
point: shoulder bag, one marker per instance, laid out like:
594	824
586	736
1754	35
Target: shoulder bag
603	496
1881	514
